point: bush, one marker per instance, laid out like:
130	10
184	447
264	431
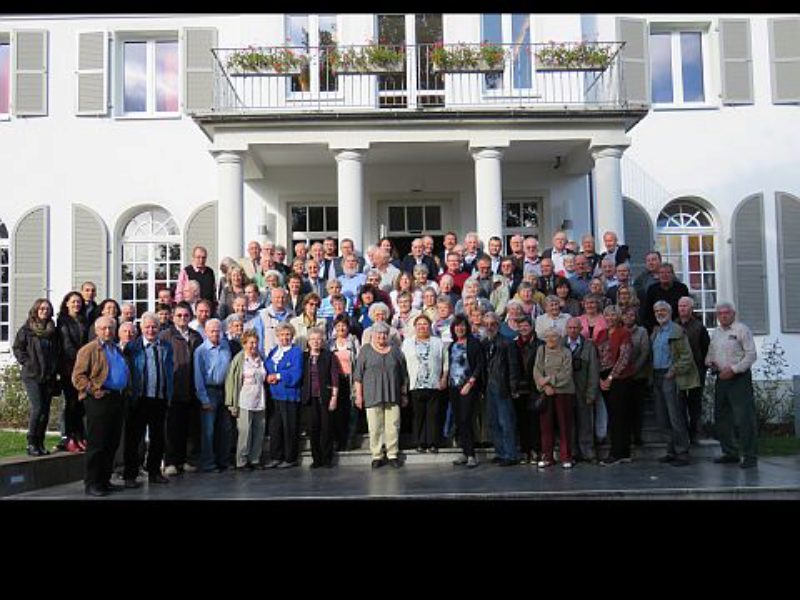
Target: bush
14	408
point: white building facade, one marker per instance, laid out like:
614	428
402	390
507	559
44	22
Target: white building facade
127	140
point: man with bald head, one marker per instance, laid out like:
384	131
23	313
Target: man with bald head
586	375
252	262
101	377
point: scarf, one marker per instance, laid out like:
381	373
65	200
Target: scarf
45	329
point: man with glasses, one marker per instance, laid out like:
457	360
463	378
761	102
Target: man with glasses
197	271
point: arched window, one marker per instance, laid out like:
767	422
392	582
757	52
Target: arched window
686	237
151	257
5	291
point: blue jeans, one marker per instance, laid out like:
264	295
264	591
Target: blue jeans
39	398
215	424
502	423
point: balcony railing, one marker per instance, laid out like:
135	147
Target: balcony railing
344	78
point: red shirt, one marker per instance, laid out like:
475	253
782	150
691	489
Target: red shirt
458	280
616	352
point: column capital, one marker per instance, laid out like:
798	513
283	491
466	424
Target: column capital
486	152
607	151
346	154
228	157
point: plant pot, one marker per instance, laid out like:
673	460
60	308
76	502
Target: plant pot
265	72
544	66
372	69
481	67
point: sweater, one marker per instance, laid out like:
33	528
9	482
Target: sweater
555	363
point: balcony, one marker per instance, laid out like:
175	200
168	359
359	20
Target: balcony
432	78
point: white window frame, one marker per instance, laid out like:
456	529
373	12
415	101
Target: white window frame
118	73
5	345
314	94
538	198
507	90
675	30
5	39
307	235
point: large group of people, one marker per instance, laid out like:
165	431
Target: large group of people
548	357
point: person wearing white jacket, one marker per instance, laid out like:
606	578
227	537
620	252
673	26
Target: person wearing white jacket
426	361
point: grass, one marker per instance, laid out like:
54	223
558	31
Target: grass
778	446
15	443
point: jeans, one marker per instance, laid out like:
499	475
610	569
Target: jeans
150	414
216	432
39	399
671	414
502	423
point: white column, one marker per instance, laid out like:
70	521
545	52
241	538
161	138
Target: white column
230	210
351	195
488	192
609	209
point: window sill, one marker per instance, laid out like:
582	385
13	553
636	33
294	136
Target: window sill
149	117
671	107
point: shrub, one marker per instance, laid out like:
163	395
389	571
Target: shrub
774	399
14	408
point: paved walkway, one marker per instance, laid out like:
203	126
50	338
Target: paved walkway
774	478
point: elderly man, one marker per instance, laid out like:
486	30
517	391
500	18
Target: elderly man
472	252
197	271
531	263
151	391
101	377
279	255
558	252
301	251
502	382
252	262
586	376
202	315
347	249
619	252
649	277
517	254
484	276
588	250
731	354
453	264
699	341
389	273
127	312
268	319
673	371
351	278
211	362
448	243
314	282
547	280
580	281
668	289
623	279
418	257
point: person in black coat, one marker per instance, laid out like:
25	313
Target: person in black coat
464	382
320	393
37	347
74	332
668	289
619	251
418	257
527	343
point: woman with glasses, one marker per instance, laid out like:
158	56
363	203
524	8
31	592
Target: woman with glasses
466	366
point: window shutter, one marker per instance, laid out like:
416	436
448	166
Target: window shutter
30	73
92	82
198	71
89	249
737	61
638	234
788	211
29	264
635	65
201	230
749	258
784	56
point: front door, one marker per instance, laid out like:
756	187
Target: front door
403	221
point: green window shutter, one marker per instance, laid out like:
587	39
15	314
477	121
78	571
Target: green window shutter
749	258
736	61
784	57
788	211
89	249
29	63
201	230
198	68
635	62
92	74
638	234
28	264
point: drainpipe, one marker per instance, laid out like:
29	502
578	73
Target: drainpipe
591	203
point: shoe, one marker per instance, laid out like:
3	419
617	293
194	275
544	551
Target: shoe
187	468
82	445
157	478
680	462
34	451
272	464
433	450
61	446
114	487
567	465
609	461
96	490
666	459
472	462
377	463
314	465
726	459
220	469
171	471
508	462
395	463
461	460
43	451
287	465
132	484
543	464
626	459
496	460
748	463
72	446
421	449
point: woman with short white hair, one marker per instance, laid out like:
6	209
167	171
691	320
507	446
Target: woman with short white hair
379	312
553	318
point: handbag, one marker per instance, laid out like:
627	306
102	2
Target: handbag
536	403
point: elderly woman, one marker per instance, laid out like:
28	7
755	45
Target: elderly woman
381	381
553	318
443	319
404	284
471	290
553	376
592	322
234	287
253	302
532	301
320	393
626	296
334	289
446	284
429	299
509	328
569	305
422	281
345	346
597	288
284	366
642	369
426	360
37	347
379	312
73	335
302	324
403	319
225	266
616	367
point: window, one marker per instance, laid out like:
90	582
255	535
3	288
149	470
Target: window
686	238
150	76
314	36
151	258
5	77
5	292
513	31
522	217
313	223
677	70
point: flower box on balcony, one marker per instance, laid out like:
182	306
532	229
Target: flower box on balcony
463	58
480	67
371	68
265	72
265	62
366	60
583	56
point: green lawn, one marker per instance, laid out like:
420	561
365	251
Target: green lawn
14	443
778	446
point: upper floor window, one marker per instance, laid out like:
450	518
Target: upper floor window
677	67
314	35
5	77
513	31
150	76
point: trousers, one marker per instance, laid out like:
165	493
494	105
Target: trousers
39	399
217	432
284	436
426	416
322	432
384	428
671	413
502	423
103	432
562	406
734	408
250	425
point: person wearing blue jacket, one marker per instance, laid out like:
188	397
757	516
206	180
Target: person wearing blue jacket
284	366
151	366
